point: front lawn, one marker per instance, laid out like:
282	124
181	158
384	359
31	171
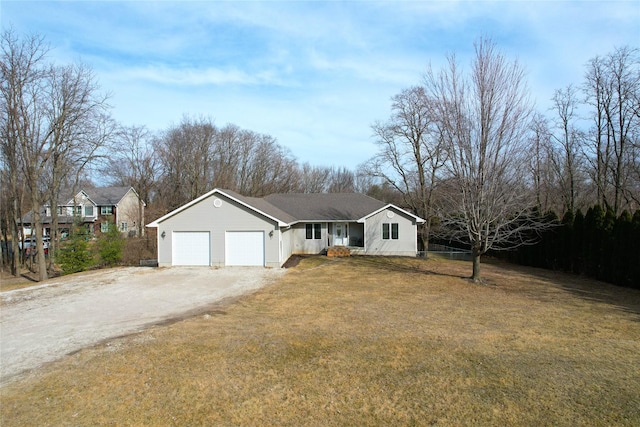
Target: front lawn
365	341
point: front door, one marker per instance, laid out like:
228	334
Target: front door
340	234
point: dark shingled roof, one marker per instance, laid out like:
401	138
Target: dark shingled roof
104	196
107	195
290	208
263	206
325	206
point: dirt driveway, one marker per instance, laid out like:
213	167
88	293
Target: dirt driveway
43	323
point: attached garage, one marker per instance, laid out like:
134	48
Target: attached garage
220	229
244	248
191	248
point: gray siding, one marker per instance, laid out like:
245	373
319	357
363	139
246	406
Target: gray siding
302	245
230	216
217	214
407	243
286	244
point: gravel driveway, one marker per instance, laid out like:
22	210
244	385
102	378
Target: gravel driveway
43	323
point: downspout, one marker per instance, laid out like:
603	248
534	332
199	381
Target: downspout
364	237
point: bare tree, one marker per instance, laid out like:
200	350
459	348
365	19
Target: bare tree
624	67
411	153
612	87
484	120
187	161
312	179
268	167
232	144
53	123
25	142
341	180
77	115
134	164
196	156
568	140
540	165
598	152
324	179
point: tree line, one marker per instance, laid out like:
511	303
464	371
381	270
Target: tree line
54	122
468	151
465	148
192	157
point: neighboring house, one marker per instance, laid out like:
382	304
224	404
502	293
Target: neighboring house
223	228
96	208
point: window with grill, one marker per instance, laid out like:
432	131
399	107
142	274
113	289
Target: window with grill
390	231
313	231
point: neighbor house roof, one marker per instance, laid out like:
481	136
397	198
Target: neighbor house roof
105	196
290	208
102	196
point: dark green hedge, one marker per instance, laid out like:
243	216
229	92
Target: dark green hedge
598	245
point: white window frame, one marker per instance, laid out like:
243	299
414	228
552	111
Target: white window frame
392	230
315	229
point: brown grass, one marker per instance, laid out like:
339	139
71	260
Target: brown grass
365	341
8	282
137	248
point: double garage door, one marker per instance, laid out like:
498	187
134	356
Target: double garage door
240	248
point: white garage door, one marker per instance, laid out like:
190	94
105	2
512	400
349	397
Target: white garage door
244	248
191	248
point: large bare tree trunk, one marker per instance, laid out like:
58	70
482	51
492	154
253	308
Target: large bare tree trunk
475	275
41	262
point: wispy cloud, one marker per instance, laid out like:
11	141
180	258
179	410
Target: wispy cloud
195	76
314	74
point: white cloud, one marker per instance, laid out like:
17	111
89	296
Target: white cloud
196	77
314	75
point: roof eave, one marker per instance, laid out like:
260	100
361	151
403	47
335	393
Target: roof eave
157	222
417	218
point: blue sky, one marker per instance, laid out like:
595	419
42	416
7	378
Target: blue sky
313	74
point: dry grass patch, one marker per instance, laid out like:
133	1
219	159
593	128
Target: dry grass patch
365	341
8	282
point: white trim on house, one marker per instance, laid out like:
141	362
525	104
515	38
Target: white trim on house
283	232
417	218
77	199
